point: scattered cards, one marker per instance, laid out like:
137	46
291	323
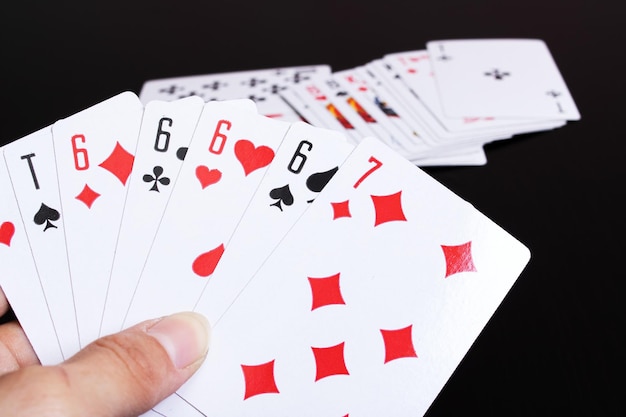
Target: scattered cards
337	274
436	106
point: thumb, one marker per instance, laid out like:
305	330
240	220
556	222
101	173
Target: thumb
124	374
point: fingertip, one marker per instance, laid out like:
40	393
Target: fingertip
184	336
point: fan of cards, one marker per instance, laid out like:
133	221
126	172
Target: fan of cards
338	277
435	107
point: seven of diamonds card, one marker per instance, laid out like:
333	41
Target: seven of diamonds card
368	304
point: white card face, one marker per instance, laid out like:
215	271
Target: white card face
365	102
422	137
351	109
166	131
94	156
274	107
33	173
299	106
228	156
369	303
442	137
173	406
306	160
256	85
19	279
416	71
325	111
511	78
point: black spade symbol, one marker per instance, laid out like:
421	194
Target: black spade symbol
316	182
46	215
282	195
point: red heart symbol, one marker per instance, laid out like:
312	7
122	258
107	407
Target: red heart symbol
207	176
251	157
205	264
6	233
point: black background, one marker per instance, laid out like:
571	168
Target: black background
555	345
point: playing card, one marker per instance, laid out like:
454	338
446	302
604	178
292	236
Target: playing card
353	111
94	157
443	139
165	134
513	78
273	106
472	156
306	160
32	170
362	97
416	71
325	111
369	303
19	278
174	406
421	141
262	86
300	107
420	145
227	158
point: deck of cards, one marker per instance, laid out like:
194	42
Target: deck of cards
438	106
339	278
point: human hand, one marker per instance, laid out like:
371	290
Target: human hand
120	375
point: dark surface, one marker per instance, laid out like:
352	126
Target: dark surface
555	344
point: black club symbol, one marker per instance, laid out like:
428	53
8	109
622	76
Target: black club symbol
274	89
253	82
216	85
171	90
156	178
497	74
300	76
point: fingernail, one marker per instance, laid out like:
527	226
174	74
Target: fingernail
184	336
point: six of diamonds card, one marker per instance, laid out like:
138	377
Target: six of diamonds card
336	274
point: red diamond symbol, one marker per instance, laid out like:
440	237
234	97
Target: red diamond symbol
325	291
458	258
388	208
341	209
119	163
259	379
87	196
329	361
398	344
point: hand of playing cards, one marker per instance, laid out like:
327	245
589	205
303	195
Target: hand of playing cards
339	278
435	107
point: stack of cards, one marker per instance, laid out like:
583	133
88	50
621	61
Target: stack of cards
338	277
437	106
